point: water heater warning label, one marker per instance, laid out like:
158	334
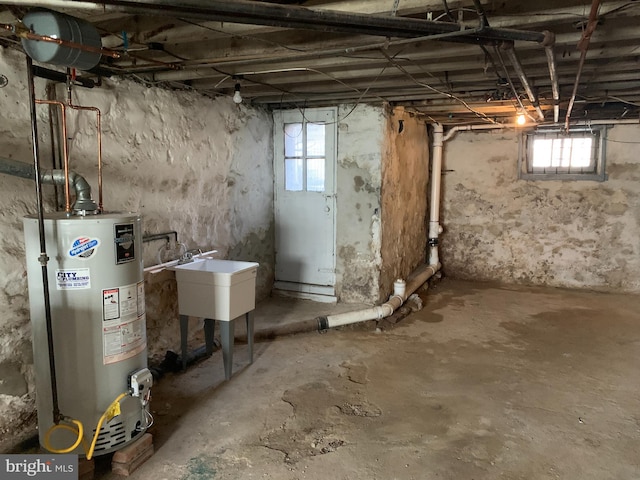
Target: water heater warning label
73	279
123	322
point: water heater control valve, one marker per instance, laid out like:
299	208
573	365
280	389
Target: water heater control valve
140	382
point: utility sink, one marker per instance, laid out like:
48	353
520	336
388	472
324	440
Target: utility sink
216	289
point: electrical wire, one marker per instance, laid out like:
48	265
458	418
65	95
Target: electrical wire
243	36
607	139
433	89
356	104
447	12
557	15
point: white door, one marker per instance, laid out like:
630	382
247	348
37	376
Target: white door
304	156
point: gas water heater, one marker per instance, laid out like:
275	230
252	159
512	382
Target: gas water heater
96	291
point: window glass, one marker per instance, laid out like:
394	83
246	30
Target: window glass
564	152
555	154
293	174
293	140
581	152
542	149
315	174
315	139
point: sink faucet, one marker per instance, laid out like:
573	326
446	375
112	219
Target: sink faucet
188	256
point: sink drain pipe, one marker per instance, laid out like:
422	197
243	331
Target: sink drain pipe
415	281
403	290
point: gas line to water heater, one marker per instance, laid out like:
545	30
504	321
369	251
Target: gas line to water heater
76	427
140	383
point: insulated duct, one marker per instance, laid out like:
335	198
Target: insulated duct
83	202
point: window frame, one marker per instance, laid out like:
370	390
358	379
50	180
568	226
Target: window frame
525	154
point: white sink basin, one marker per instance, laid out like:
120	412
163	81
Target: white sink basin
218	289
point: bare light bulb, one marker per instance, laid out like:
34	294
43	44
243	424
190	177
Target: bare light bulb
521	119
237	98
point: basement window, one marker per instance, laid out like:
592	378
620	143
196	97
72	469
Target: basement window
556	155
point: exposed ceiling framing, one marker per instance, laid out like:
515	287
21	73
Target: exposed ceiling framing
456	62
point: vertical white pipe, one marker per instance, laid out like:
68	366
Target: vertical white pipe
419	276
434	202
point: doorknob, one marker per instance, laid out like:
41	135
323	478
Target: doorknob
327	209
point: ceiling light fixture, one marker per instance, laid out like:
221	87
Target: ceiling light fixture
237	98
521	119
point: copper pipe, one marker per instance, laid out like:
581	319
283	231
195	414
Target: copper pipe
99	132
65	150
583	46
99	128
23	32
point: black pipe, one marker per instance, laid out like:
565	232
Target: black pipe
447	11
61	77
260	13
160	236
482	17
55	133
43	258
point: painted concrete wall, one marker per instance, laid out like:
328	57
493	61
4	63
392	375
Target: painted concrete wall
359	180
405	174
576	234
199	166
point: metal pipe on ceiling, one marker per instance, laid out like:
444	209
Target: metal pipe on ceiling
289	16
201	71
555	84
184	33
482	17
583	46
517	66
549	48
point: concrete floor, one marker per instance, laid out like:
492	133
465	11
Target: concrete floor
485	382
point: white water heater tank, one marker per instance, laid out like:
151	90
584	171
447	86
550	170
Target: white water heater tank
96	285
